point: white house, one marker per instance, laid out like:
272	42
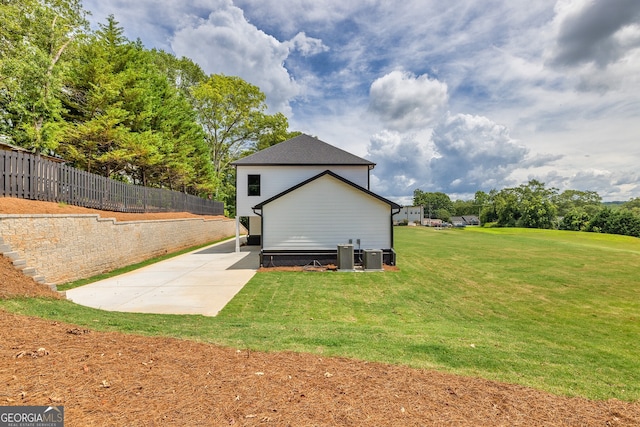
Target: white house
304	197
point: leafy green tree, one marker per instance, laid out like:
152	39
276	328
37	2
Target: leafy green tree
577	219
601	221
626	222
275	130
443	214
101	140
433	203
538	210
619	221
507	207
589	201
464	207
632	205
232	114
529	205
183	73
486	206
130	121
36	39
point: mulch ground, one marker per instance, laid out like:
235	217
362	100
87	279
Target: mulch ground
115	379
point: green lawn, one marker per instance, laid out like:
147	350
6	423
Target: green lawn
555	310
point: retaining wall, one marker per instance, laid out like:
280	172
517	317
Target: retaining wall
62	248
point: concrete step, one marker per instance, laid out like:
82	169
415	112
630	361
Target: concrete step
39	279
20	264
29	271
12	255
4	248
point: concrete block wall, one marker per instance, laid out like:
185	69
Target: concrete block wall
62	248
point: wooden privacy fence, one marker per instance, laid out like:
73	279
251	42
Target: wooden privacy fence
32	177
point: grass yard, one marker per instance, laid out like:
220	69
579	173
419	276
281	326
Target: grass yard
555	310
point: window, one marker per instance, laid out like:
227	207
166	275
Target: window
254	185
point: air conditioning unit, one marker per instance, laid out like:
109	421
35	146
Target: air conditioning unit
345	257
372	260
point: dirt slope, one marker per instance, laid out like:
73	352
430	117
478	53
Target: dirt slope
113	379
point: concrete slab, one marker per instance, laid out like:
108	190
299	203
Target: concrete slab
199	282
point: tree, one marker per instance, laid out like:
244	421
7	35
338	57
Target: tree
577	219
434	203
129	119
465	207
588	201
620	221
486	206
232	114
506	204
529	205
100	140
183	73
632	205
35	40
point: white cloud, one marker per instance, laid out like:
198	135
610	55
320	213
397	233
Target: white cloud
225	43
307	46
464	153
611	186
404	102
402	162
474	153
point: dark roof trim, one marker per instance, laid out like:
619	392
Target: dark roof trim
303	150
334	175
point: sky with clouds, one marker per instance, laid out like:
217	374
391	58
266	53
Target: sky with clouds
454	96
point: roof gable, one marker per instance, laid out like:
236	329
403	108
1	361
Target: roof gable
303	150
393	205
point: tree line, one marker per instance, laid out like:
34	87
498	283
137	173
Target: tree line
109	106
533	205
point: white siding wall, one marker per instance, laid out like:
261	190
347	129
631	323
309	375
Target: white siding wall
323	214
276	179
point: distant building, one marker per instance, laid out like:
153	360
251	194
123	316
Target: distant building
461	221
410	215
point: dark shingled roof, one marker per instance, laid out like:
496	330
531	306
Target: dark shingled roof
303	150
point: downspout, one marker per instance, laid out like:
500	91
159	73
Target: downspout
237	233
237	217
391	220
261	231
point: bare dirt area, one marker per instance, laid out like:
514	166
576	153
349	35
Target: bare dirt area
115	379
11	205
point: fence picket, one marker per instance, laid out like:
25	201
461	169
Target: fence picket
28	176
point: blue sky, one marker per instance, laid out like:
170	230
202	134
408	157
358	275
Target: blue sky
453	96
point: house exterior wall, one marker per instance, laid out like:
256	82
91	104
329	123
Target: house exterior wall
276	179
323	214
